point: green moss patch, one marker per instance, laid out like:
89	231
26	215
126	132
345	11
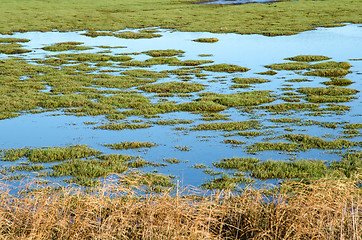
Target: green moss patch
137	35
270	72
122	126
13	48
328	73
338	82
332	65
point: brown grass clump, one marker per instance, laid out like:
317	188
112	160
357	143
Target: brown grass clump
321	209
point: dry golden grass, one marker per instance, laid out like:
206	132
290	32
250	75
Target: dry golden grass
322	209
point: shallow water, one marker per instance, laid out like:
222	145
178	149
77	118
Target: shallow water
252	51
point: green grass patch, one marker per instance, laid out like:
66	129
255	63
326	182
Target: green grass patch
249	80
137	35
66	46
13	48
173	87
308	58
229	68
122	126
130	145
289	66
164	53
328	73
338	82
228	126
206	40
332	65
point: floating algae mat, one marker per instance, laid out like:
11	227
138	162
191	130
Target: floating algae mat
162	109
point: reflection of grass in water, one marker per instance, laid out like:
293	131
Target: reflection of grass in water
66	46
206	40
308	58
130	145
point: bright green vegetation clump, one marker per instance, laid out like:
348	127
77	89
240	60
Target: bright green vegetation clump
251	98
285	107
164	53
329	94
85	171
225	182
328	73
228	126
66	46
173	87
23	167
289	66
249	80
338	82
270	72
332	65
350	163
130	145
271	146
229	68
308	58
235	86
49	154
122	126
137	35
144	73
202	106
306	142
275	169
206	40
13	48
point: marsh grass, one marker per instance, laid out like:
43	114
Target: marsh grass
122	126
206	40
270	72
137	35
228	126
130	145
324	208
173	87
308	58
289	66
49	154
66	46
249	80
338	82
229	68
13	48
13	40
164	53
328	73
